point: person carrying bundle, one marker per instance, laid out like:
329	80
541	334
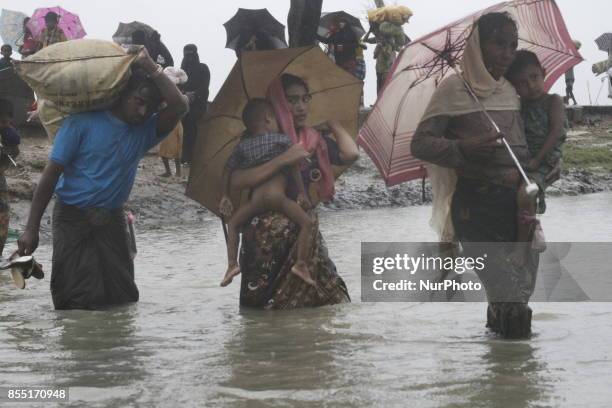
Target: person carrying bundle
92	168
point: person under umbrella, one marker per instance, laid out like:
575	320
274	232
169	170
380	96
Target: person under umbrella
52	33
254	30
196	89
124	32
306	88
28	45
454	133
256	41
343	42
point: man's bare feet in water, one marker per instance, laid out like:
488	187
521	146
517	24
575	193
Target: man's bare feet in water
300	269
232	271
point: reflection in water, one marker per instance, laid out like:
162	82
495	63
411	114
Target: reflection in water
512	376
284	353
100	348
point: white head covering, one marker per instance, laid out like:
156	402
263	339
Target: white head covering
452	97
474	70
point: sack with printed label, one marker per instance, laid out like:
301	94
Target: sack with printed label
75	76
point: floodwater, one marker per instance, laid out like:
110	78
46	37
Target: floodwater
187	343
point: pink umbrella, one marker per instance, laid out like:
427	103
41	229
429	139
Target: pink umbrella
388	131
69	22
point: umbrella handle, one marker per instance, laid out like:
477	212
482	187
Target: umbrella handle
531	187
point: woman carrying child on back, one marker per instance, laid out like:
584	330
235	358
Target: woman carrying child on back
544	119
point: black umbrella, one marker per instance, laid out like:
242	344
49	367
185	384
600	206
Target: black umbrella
124	32
330	19
604	42
261	23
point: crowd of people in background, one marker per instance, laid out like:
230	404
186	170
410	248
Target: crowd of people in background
50	35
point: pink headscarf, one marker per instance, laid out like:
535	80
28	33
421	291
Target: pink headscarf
308	137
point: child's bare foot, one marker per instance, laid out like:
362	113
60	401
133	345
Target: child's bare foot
300	269
232	271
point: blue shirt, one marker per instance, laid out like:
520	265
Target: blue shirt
100	155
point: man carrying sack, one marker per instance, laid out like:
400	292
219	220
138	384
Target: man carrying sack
92	168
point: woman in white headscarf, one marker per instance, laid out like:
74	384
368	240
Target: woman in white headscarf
475	180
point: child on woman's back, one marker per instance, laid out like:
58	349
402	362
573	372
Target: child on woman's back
261	143
544	119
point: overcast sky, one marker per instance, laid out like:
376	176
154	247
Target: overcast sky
201	22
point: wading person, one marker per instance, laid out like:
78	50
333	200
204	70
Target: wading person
269	241
261	143
92	168
455	133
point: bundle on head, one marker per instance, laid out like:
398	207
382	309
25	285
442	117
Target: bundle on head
75	76
390	14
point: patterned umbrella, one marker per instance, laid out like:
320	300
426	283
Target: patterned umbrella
388	131
69	22
604	42
124	32
11	27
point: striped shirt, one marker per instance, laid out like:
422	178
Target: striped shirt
253	151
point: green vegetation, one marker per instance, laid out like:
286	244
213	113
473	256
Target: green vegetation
587	157
38	164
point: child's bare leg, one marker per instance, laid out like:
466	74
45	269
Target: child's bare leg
240	217
277	200
526	209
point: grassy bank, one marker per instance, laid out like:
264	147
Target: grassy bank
590	149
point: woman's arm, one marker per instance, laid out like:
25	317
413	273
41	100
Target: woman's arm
556	123
251	178
349	153
430	144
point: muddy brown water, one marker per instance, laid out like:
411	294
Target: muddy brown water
186	343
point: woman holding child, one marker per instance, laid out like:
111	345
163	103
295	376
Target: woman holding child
454	133
269	240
